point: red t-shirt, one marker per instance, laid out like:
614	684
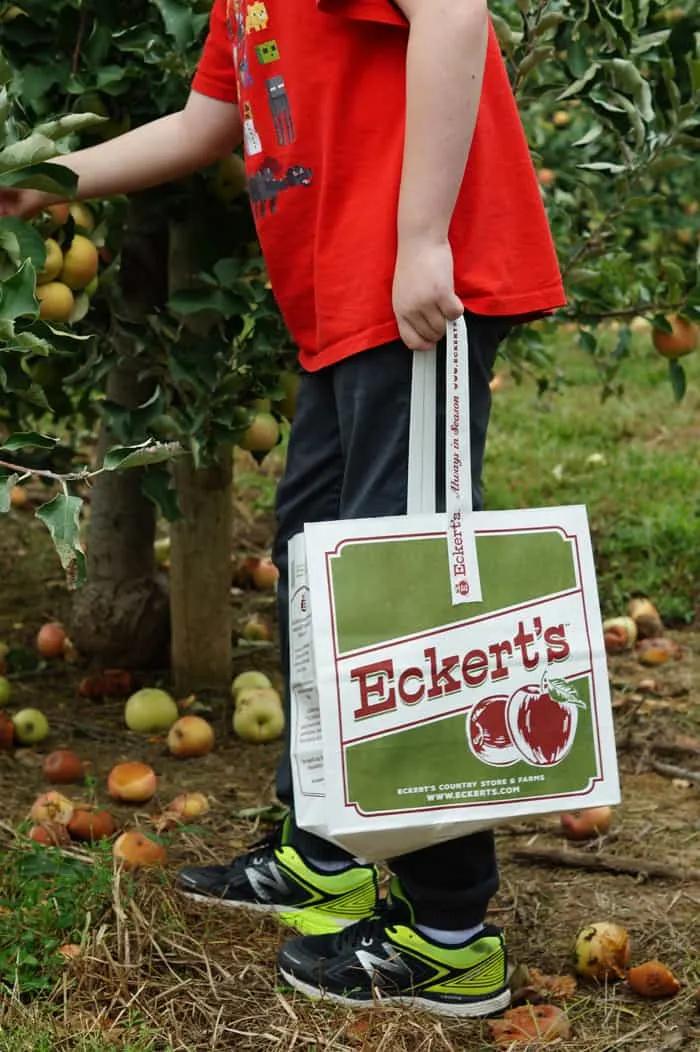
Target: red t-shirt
321	87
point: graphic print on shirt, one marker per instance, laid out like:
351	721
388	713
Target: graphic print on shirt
236	25
252	142
257	17
267	183
281	111
267	53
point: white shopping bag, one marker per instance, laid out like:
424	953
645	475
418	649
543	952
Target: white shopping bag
448	671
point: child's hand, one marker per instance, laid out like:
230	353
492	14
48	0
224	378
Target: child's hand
424	297
20	203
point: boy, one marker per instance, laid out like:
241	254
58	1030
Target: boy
392	190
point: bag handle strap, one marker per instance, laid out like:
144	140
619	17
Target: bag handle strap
464	571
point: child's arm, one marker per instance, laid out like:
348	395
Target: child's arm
166	149
444	74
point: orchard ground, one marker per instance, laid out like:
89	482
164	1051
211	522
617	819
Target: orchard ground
159	973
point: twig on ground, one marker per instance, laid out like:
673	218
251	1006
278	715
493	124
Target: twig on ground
638	867
670	770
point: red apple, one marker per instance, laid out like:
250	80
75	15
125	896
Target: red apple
265	575
487	732
91	824
63	767
542	721
50	639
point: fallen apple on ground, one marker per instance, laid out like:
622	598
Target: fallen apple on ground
135	850
250	679
653	979
265	575
645	616
50	639
257	629
658	651
150	711
7	733
602	952
586	824
186	807
191	736
51	807
619	633
51	834
258	716
91	824
31	726
530	1025
132	782
63	767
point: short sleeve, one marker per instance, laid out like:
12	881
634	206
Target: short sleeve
216	73
383	11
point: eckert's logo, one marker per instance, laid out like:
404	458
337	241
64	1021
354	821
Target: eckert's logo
382	687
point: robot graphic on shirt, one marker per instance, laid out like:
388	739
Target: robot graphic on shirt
270	180
281	111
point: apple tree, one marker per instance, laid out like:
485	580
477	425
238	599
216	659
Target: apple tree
183	336
610	97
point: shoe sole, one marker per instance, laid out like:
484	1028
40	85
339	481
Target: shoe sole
470	1010
305	921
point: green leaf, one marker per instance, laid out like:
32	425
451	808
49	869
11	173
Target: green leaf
17	299
33	149
177	18
157	485
68	125
21	242
49	178
122	457
561	691
6	485
61	516
28	440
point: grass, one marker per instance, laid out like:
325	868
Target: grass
631	459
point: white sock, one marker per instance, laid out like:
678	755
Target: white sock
328	867
451	937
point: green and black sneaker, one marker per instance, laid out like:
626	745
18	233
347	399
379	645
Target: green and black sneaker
385	959
274	878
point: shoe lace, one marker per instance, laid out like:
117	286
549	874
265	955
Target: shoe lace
267	842
367	930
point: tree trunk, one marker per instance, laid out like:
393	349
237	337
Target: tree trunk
200	549
200	577
120	617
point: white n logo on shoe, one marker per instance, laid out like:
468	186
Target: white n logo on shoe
381	966
265	882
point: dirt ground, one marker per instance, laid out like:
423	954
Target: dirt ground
213	986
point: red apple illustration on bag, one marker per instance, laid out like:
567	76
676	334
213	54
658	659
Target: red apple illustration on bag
487	732
542	721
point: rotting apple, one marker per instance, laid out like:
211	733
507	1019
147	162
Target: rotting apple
132	782
645	616
51	807
63	767
619	633
658	651
542	721
487	732
150	711
653	979
31	726
51	834
135	850
7	733
602	951
191	736
586	824
257	629
91	824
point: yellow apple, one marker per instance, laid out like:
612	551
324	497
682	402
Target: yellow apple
53	263
80	263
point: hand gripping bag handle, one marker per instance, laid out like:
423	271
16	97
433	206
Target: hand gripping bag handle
464	571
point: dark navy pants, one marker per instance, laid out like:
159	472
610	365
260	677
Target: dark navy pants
348	456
